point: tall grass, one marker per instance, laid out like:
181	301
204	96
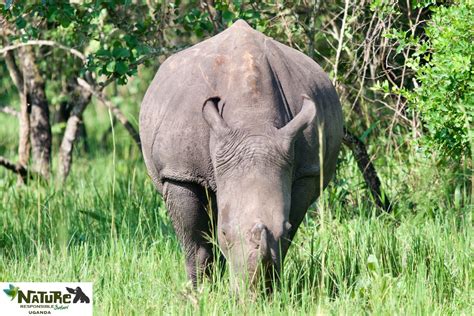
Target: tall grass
109	226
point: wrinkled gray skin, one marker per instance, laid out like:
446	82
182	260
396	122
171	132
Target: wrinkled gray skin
236	118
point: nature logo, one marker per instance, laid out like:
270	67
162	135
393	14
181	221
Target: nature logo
12	291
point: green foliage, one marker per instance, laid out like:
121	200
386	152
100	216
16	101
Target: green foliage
201	23
113	34
445	97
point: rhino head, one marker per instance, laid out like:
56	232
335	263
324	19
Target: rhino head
253	170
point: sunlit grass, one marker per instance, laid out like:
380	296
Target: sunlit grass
416	261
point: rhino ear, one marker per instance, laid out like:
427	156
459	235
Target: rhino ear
212	116
302	120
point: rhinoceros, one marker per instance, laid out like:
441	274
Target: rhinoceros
239	122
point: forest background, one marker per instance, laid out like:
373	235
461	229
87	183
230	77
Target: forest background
392	233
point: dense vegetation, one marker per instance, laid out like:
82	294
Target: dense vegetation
404	75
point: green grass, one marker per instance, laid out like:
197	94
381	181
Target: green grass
109	226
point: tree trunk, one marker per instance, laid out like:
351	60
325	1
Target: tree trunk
24	142
81	99
24	115
40	128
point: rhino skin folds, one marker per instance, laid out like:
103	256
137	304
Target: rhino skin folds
237	118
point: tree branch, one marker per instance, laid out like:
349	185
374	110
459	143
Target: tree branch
7	50
81	100
367	168
115	110
22	171
15	72
73	51
340	41
10	111
137	63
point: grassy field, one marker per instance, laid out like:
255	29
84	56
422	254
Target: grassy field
109	226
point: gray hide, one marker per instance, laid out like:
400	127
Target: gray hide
235	119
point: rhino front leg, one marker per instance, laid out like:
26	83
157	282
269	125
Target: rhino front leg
303	193
186	203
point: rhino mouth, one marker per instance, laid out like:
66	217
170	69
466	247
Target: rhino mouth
263	276
256	272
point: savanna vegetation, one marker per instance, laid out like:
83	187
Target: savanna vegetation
76	203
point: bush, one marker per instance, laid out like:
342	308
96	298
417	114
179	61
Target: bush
445	96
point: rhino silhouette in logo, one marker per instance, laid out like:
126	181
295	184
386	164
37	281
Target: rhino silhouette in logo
80	296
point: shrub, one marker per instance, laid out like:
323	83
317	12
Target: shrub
445	95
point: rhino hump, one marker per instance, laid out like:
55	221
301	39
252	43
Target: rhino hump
260	82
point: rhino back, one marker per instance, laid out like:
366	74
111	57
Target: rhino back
260	82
